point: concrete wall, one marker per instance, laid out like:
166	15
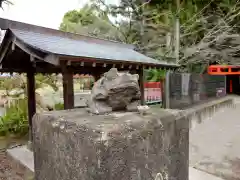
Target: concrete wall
206	111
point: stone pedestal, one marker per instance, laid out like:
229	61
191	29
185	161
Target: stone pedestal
74	145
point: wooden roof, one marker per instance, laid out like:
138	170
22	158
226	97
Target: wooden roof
47	48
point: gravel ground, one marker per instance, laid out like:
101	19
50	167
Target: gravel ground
7	171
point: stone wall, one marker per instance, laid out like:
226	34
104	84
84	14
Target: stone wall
121	146
76	145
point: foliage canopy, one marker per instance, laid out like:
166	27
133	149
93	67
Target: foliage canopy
208	32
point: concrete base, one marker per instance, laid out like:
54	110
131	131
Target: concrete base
23	157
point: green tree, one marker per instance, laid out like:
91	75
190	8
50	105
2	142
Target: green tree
220	41
150	25
15	87
15	119
200	20
4	2
89	20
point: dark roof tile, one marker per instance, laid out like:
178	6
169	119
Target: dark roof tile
63	45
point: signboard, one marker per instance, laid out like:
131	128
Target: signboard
152	92
220	92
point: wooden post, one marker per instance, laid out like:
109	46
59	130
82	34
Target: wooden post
31	98
96	76
141	84
231	86
167	90
177	32
225	79
163	92
68	92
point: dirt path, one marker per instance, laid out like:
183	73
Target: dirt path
7	172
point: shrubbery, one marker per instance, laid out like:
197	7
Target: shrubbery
15	119
59	106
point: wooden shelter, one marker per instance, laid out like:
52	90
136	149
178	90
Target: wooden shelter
32	49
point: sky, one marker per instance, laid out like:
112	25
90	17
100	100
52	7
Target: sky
47	13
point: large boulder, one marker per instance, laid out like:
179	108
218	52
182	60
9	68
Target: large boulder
115	91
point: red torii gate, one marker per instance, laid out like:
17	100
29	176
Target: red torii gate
224	70
227	70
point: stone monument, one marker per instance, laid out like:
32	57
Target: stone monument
112	140
115	91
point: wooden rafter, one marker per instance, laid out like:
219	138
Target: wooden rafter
5	46
26	49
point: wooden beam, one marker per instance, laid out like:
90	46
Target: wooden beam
31	98
118	63
13	43
4	48
52	59
96	76
68	91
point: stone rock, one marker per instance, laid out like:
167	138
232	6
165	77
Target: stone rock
115	91
143	109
